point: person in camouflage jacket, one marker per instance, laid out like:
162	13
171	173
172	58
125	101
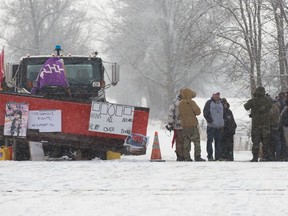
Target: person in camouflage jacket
283	124
275	141
260	106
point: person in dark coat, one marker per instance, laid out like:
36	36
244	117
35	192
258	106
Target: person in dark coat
260	107
282	99
228	133
283	125
275	140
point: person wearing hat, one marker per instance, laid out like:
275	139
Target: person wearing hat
214	114
188	110
228	133
260	107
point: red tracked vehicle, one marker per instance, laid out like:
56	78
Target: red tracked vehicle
77	138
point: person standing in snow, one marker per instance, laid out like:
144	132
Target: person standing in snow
188	110
284	126
228	133
260	107
214	115
275	140
175	125
282	98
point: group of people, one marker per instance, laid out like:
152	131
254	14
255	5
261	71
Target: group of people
269	130
269	126
221	126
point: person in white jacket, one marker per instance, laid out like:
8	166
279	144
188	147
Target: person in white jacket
174	124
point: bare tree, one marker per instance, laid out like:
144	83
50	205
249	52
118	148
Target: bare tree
243	37
36	26
278	8
162	46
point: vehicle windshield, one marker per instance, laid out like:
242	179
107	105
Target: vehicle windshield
82	73
77	74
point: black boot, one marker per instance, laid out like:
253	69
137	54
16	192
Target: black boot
179	157
255	158
198	158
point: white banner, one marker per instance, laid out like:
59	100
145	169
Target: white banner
45	120
111	118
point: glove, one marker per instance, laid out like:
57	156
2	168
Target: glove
169	127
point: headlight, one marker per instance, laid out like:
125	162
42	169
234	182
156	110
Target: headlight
96	84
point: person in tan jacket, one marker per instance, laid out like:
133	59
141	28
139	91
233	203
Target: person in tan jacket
188	110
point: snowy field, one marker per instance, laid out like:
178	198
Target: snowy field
134	186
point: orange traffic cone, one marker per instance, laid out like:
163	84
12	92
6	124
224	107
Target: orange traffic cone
156	153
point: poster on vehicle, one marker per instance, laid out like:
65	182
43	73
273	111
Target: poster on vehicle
136	144
16	119
111	118
45	120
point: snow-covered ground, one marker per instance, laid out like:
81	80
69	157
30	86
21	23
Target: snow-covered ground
134	186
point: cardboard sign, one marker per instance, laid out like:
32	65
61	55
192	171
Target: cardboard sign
111	118
45	120
16	118
136	144
36	151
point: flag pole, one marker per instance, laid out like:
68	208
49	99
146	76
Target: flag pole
2	68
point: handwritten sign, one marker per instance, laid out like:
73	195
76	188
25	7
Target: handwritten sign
45	120
111	118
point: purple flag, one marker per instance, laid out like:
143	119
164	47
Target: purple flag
51	74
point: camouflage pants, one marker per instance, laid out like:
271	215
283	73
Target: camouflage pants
191	135
285	146
179	143
260	134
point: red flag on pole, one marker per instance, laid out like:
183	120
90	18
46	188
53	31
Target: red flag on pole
1	68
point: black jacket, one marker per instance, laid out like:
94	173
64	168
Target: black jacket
229	122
